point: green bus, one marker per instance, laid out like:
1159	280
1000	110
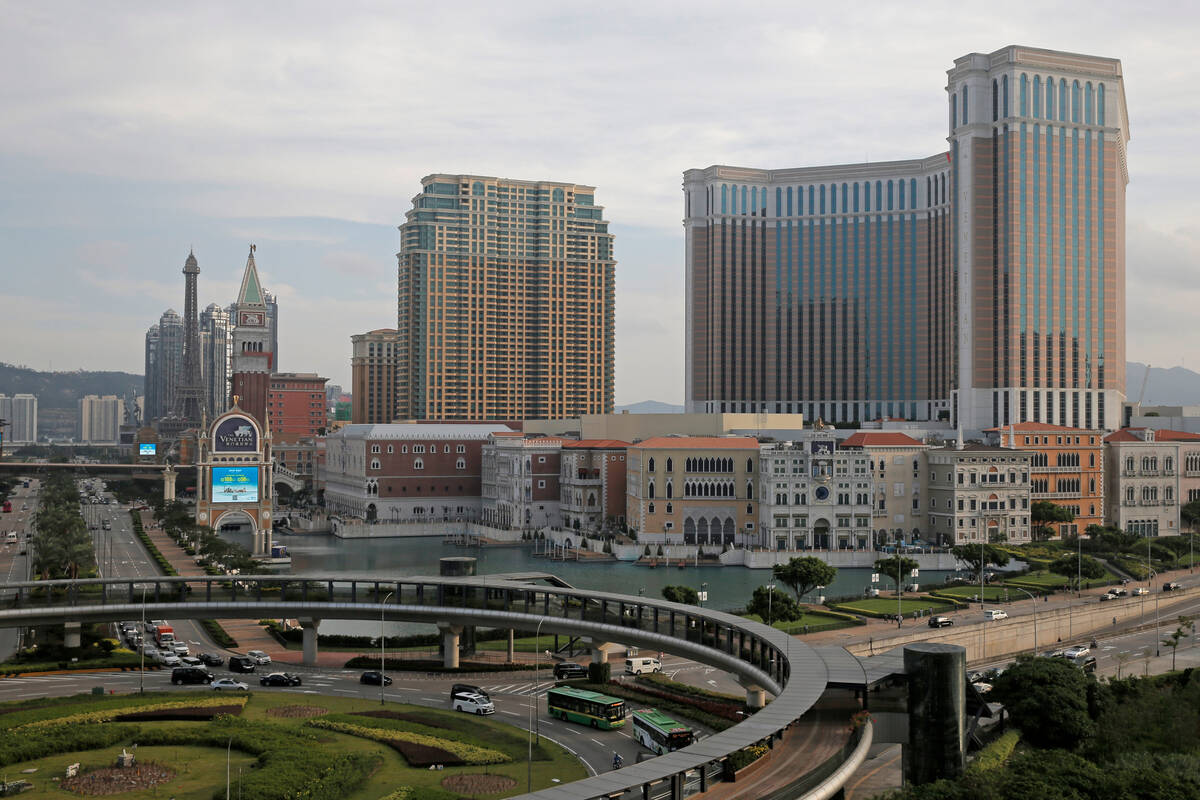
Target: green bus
586	708
660	733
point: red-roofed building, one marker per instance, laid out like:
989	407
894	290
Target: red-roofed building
592	484
1067	468
693	490
900	485
1150	474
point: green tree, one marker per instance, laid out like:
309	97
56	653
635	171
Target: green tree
804	574
896	567
773	606
1075	567
1044	514
1048	701
681	594
1172	641
980	556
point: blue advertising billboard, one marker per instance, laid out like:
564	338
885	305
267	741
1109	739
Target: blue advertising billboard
147	449
235	484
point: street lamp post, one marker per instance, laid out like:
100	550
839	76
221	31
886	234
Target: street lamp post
1157	634
142	649
382	651
770	597
529	769
703	594
1034	599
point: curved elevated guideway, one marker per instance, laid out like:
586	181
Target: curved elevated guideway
762	659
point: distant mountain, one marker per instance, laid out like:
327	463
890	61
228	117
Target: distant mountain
650	407
1174	386
62	390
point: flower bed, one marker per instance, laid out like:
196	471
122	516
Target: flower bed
185	714
461	752
108	714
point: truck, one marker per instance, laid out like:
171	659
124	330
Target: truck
165	636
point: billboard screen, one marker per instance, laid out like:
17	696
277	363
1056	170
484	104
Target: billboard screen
147	449
235	484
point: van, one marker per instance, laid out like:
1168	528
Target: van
11	538
473	704
637	666
466	690
991	614
1172	586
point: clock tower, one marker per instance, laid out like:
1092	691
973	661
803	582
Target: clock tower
252	356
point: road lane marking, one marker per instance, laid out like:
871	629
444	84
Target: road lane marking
510	713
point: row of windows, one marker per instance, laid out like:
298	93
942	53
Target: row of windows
895	194
1150	463
701	465
419	449
1150	494
419	463
1080	102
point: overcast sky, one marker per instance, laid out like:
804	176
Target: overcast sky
130	132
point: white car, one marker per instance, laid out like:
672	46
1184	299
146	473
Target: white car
169	660
259	657
1140	590
1078	651
228	684
181	649
993	614
473	703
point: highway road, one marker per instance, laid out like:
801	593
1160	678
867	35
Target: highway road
14	565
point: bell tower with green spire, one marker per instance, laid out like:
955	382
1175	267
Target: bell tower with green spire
252	356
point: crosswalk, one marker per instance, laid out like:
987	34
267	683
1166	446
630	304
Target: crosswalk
526	689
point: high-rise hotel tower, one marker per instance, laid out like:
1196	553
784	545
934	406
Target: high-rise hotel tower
986	282
505	305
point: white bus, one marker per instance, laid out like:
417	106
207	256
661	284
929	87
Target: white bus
658	732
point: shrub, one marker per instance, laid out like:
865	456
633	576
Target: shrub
465	753
996	754
39	743
740	759
107	714
599	673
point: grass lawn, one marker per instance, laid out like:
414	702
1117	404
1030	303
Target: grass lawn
198	771
882	606
201	770
809	622
990	592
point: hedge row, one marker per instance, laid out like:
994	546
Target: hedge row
291	762
122	661
996	754
458	752
686	689
424	665
29	745
107	714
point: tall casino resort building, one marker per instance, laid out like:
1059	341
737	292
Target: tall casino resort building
983	285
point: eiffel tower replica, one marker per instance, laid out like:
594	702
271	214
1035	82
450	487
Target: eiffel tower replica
188	410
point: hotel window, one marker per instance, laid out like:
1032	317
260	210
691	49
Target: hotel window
418	463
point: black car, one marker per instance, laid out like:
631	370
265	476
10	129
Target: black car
210	659
466	688
373	678
568	670
280	679
940	622
241	664
190	675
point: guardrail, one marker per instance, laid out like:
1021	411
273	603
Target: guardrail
759	656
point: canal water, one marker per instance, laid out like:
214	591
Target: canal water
729	588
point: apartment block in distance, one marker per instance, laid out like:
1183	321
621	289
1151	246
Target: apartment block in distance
21	413
505	301
1149	474
373	376
978	493
982	285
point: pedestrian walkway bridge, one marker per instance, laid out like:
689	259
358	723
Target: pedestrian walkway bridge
762	659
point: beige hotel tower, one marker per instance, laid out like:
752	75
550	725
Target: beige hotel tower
505	301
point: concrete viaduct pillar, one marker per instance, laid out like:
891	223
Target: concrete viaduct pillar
309	627
71	636
450	642
169	476
756	696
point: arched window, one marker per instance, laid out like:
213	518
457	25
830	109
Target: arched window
953	111
822	198
1075	101
749	490
749	465
1062	99
890	186
477	188
966	117
670	507
650	490
744	193
995	100
670	489
460	463
1004	96
778	201
670	464
650	508
1037	96
418	463
559	196
374	463
1100	104
1049	97
1023	100
1089	104
901	188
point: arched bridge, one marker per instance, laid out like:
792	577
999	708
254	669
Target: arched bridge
763	659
